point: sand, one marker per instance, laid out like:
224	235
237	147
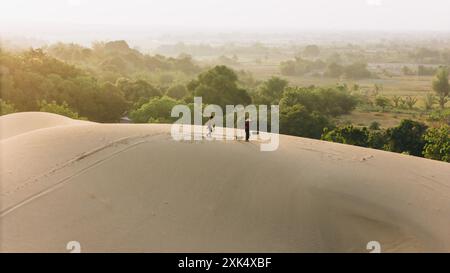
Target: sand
22	123
127	187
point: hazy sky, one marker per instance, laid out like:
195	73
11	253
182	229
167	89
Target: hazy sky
233	14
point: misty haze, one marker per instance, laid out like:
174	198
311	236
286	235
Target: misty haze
357	93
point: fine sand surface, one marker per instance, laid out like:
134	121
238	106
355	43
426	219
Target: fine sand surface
127	187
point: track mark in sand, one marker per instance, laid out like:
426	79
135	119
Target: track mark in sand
60	166
433	185
140	140
365	158
324	154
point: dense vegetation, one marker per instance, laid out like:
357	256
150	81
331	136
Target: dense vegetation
33	76
317	68
111	80
410	137
112	60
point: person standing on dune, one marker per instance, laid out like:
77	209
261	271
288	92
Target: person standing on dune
247	129
210	125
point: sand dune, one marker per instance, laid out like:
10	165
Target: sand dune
116	187
19	123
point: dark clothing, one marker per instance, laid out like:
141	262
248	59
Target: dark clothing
247	130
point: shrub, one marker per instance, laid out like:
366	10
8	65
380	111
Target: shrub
332	102
298	121
377	140
440	116
60	109
429	101
6	108
437	144
410	101
396	100
357	71
156	110
382	101
374	125
407	137
348	135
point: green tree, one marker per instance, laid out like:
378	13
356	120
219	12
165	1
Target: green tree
178	91
300	66
348	135
298	121
157	110
407	71
357	71
219	86
410	101
441	86
334	70
110	103
288	68
374	125
138	92
377	139
407	137
351	135
442	116
327	101
429	101
34	76
311	51
270	91
382	101
6	108
396	100
60	109
437	143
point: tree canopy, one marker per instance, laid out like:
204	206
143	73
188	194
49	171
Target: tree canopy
219	85
441	86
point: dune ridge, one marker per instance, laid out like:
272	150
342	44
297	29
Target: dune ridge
130	187
25	122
